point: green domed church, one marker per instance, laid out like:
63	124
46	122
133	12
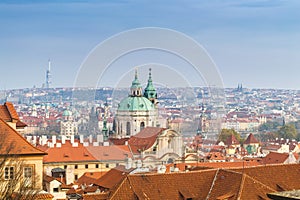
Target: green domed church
138	110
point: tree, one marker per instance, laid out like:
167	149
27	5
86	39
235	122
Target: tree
225	133
16	178
269	126
287	131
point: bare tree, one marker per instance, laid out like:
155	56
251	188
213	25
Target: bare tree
17	178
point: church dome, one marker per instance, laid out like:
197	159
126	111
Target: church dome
135	104
67	113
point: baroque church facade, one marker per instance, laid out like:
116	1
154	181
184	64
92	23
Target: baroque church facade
138	110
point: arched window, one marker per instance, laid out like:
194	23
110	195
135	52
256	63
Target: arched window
128	128
142	126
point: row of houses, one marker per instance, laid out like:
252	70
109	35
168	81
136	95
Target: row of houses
133	168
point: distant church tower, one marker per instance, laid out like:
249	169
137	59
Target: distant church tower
138	110
150	91
48	75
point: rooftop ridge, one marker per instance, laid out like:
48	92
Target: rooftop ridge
172	173
259	182
212	184
241	186
22	138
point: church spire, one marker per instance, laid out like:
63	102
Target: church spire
150	91
136	88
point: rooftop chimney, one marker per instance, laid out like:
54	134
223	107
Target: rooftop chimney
63	139
53	139
81	139
90	139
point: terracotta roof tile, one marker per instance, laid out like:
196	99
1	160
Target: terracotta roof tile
275	158
231	140
17	144
89	178
217	165
275	175
251	139
144	139
113	152
166	186
12	111
242	183
20	124
232	181
68	153
8	113
4	113
91	189
112	178
253	189
101	196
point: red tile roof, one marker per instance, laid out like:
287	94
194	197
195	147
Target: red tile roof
11	110
166	186
113	177
217	165
231	140
8	113
144	139
242	183
15	142
277	177
68	153
251	139
113	152
275	158
101	196
89	178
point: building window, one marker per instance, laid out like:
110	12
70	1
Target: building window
86	166
97	166
55	190
28	175
65	167
107	165
9	173
142	126
28	171
128	128
117	164
76	166
76	177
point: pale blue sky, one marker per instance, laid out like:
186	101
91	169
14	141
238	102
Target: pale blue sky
254	42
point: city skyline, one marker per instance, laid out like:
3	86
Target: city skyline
252	42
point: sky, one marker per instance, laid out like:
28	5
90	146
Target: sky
253	42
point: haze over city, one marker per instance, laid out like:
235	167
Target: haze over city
251	42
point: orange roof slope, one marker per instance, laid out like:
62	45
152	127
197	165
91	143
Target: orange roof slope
194	185
113	177
275	158
144	139
251	139
226	185
113	152
15	142
231	140
68	153
243	183
277	177
8	113
219	165
89	178
12	111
